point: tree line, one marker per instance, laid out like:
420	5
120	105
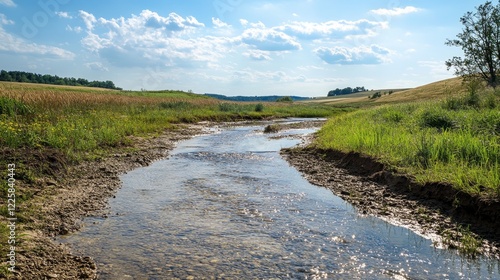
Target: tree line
26	77
347	90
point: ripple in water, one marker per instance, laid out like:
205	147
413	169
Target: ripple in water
226	206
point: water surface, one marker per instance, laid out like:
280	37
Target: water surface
227	206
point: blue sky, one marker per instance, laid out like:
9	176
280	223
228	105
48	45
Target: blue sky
234	47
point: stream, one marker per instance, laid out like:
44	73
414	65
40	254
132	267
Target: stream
227	206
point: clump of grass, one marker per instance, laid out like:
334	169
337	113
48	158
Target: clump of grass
12	107
433	142
437	119
463	240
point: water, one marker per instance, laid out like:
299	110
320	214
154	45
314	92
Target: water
227	206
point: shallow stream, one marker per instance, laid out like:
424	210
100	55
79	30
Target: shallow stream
227	206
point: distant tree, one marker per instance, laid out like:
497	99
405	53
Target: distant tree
5	76
480	42
347	90
284	99
26	77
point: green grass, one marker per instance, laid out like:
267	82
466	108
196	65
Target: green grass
81	122
455	141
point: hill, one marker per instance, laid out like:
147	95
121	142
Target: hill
433	91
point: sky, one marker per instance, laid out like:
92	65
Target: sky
234	47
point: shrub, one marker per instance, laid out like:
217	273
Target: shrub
259	107
376	95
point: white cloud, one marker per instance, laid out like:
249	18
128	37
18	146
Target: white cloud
336	29
76	29
354	56
13	44
88	19
258	55
64	15
269	40
243	22
4	20
8	3
396	11
150	39
219	23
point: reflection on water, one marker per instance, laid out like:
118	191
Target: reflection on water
226	206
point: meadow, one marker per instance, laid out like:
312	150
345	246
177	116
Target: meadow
452	137
82	121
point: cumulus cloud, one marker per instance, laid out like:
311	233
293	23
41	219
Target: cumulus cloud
76	29
4	20
64	15
12	44
88	19
219	23
354	56
396	11
258	55
149	39
8	3
173	22
269	40
337	29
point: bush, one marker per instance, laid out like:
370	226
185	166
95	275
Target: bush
259	107
376	95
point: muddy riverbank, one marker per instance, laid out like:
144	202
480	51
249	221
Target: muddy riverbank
71	192
450	218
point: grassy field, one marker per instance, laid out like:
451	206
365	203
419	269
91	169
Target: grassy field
442	132
79	121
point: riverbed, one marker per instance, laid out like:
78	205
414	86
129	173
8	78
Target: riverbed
226	206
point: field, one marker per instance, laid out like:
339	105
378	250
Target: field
443	132
83	121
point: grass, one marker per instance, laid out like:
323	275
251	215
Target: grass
82	120
455	140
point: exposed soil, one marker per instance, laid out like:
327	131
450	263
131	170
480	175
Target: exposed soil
437	211
68	193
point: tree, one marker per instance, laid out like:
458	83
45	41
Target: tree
480	42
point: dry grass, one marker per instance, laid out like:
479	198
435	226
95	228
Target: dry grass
58	97
434	91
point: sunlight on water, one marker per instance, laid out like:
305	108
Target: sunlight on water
226	206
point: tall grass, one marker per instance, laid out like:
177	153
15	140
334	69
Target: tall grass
79	121
455	141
